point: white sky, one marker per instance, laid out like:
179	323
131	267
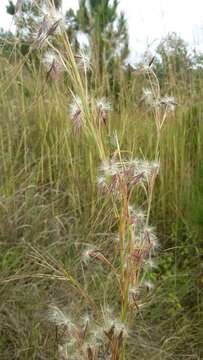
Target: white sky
149	20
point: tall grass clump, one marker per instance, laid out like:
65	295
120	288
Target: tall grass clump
100	214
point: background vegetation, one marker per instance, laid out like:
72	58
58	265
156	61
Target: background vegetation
50	205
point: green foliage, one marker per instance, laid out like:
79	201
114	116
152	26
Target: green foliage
173	61
10	8
27	20
107	34
50	203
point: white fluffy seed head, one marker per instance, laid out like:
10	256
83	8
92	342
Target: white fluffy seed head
103	108
88	254
109	167
119	328
85	319
75	106
145	167
53	64
103	104
112	173
57	317
83	61
148	285
55	16
47	25
115	325
169	103
76	113
133	294
148	97
149	264
49	58
140	216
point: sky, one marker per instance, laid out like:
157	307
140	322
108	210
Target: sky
149	21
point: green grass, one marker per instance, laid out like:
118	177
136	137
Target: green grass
50	207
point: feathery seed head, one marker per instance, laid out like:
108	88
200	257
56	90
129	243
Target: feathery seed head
86	256
149	235
53	64
115	173
148	97
47	27
133	294
101	182
55	15
137	216
90	253
86	319
140	216
57	317
83	61
109	167
114	327
148	285
149	264
49	58
76	114
103	104
103	108
119	329
145	167
168	103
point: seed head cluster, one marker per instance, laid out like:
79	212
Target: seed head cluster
53	64
83	61
49	25
167	103
86	339
76	114
103	107
113	175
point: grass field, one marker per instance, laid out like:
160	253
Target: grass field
75	182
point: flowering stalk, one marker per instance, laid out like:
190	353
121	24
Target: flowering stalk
119	178
162	107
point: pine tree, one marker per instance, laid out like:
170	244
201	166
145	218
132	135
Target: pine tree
173	61
27	16
106	31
